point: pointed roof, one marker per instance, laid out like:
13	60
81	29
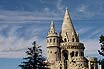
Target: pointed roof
52	31
52	28
67	26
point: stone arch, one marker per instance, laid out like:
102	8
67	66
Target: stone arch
82	54
50	40
65	57
73	40
65	40
92	66
54	40
76	53
65	54
72	54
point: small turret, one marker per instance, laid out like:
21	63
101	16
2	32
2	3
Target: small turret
52	31
52	44
92	63
52	38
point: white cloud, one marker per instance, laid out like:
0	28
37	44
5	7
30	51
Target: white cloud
84	30
91	47
12	46
82	8
26	16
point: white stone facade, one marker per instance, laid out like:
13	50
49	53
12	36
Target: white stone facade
64	50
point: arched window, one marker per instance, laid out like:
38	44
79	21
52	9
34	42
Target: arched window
65	40
72	53
76	54
65	56
60	66
82	54
92	66
72	39
54	40
50	40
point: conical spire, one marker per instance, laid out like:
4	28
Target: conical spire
52	28
52	31
67	26
67	23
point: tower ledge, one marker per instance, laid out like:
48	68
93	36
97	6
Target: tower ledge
72	45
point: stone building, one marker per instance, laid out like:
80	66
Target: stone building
64	50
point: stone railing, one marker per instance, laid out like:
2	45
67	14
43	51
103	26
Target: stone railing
72	45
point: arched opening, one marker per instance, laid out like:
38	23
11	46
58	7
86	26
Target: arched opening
72	39
72	54
50	40
82	54
60	66
54	40
92	66
76	54
65	57
65	40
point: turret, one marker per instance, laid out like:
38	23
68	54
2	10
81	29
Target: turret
92	63
68	33
52	44
71	49
52	38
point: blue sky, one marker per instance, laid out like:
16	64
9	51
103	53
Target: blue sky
23	21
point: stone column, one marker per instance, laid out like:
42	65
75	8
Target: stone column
89	65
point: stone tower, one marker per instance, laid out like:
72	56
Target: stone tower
65	51
53	44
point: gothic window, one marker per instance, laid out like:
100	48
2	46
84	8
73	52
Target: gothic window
72	39
76	54
60	66
54	40
65	40
82	54
72	53
50	40
92	66
65	56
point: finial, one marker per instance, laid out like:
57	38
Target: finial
66	8
52	22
